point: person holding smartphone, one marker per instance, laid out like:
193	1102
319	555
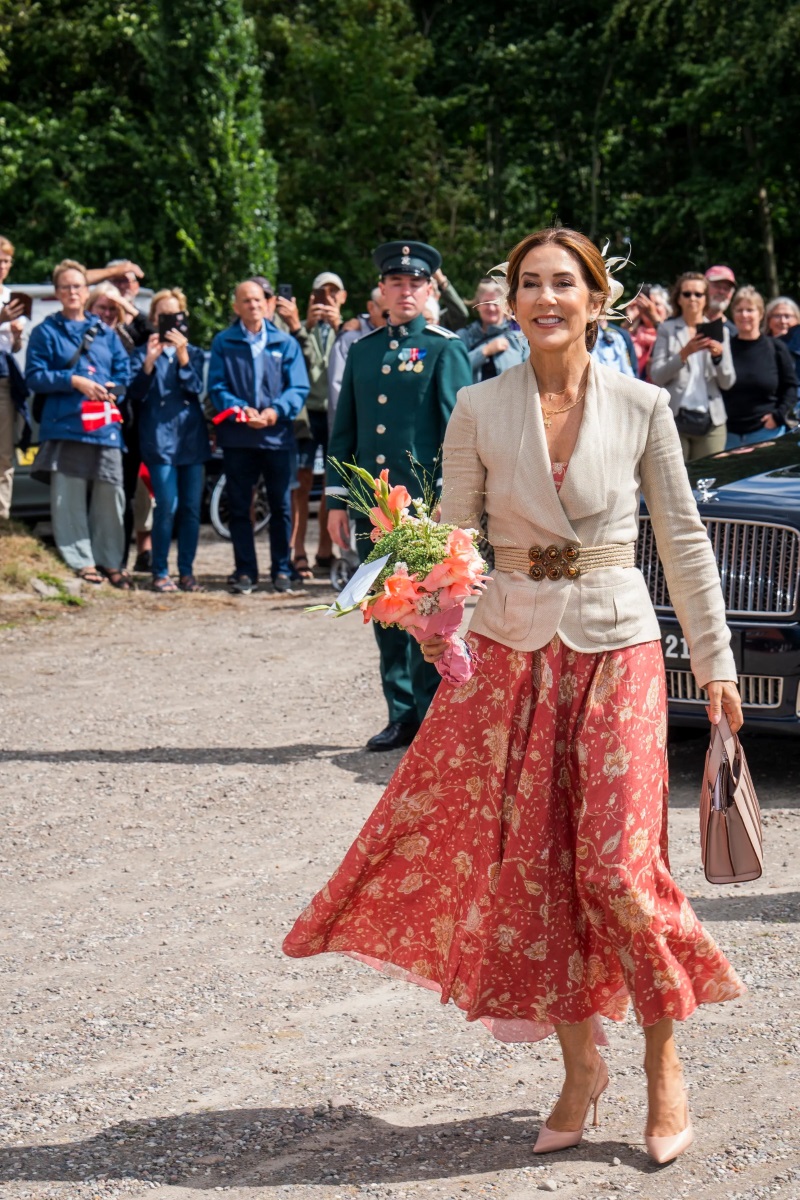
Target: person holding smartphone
166	387
316	335
694	367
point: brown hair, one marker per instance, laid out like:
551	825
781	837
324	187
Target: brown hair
68	264
169	294
686	277
6	247
582	249
748	293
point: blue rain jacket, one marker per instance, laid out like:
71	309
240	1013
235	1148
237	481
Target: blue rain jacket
232	384
172	425
52	345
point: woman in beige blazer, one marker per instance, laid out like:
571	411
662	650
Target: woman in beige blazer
517	862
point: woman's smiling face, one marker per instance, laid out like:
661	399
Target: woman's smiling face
553	304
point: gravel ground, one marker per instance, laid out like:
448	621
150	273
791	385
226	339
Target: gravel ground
179	774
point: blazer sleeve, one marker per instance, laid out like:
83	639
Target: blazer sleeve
724	370
665	364
685	550
464	488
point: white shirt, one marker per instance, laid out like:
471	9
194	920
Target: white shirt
6	332
695	398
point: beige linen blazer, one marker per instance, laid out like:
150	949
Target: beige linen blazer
496	460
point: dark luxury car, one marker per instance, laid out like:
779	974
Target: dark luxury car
749	500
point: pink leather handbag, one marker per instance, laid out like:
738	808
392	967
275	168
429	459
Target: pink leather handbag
730	820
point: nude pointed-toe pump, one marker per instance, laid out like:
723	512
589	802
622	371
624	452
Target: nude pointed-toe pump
665	1149
550	1140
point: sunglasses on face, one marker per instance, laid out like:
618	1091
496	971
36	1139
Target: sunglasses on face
693	295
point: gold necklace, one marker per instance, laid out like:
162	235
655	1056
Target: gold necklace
547	413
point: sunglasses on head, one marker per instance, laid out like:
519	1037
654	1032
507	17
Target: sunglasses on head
695	295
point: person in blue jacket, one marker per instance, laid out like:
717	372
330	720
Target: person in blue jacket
492	344
258	372
79	369
166	388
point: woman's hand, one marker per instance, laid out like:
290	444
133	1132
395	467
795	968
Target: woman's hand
181	343
768	421
155	348
433	649
698	343
90	389
724	695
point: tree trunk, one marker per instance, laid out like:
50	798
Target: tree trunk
765	217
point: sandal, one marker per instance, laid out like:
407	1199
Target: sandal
188	583
117	578
302	567
90	575
164	584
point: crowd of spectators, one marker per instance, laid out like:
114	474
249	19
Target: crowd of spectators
122	400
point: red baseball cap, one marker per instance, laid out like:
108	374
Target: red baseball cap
715	273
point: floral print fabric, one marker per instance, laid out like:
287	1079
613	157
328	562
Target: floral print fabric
517	861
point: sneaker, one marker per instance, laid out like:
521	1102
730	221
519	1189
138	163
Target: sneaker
285	583
240	585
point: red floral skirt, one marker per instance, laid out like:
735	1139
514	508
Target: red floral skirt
517	861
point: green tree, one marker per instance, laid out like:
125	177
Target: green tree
211	181
355	142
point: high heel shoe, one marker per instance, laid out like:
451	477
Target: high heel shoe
550	1140
665	1149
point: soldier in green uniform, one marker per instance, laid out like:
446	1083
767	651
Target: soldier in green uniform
398	391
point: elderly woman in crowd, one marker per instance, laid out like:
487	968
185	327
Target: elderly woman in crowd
166	386
79	367
693	368
764	392
493	346
107	302
782	314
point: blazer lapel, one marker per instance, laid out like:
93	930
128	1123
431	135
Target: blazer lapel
584	490
533	476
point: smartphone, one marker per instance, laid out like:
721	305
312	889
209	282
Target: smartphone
320	296
167	321
25	300
285	291
711	329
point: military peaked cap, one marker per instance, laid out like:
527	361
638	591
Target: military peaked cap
406	258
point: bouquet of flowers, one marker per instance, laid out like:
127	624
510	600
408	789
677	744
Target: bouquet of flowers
419	574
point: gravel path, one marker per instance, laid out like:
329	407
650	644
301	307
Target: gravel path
179	774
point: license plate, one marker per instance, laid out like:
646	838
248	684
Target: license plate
676	650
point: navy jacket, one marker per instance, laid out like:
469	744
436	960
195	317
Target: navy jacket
51	347
172	425
232	384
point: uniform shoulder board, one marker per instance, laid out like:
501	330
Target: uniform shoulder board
448	333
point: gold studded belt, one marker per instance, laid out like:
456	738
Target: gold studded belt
563	562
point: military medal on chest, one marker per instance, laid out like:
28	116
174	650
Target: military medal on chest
412	360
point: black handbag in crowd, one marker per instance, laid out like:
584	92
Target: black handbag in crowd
692	422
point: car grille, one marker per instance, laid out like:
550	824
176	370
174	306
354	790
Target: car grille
758	566
757	691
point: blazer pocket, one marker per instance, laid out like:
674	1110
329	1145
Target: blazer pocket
519	606
609	614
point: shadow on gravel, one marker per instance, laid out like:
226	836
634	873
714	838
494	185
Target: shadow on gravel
780	908
201	755
271	1146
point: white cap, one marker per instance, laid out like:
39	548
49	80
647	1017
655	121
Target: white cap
327	277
